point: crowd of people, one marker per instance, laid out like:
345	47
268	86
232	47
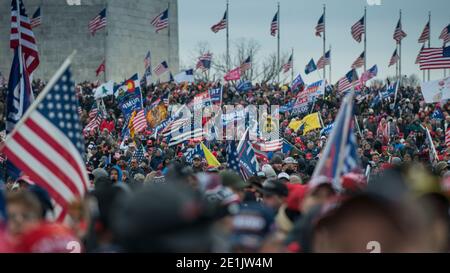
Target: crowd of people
161	202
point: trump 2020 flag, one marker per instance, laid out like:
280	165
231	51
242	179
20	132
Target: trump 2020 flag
233	75
340	154
47	143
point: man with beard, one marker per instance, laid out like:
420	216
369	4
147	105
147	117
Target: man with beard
290	165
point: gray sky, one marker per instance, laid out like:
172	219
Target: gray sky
251	19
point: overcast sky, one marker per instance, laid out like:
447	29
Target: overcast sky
251	19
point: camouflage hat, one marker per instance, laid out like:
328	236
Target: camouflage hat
232	180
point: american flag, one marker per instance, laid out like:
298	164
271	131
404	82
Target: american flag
98	22
148	61
359	62
274	25
425	36
320	28
358	30
324	60
394	58
139	154
94	111
221	25
186	133
418	55
161	21
101	69
92	125
204	61
345	83
399	34
174	126
48	145
268	146
340	153
161	68
288	66
232	157
27	40
369	74
36	20
246	65
139	121
445	34
435	58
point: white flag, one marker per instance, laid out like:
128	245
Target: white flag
104	90
436	91
185	76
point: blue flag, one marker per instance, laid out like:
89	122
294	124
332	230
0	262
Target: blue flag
129	96
310	67
244	86
298	82
247	157
216	95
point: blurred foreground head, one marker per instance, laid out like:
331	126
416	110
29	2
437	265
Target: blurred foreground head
166	218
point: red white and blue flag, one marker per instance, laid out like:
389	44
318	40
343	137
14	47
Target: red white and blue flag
399	34
47	144
36	20
435	58
324	60
320	28
161	21
359	62
289	65
445	34
21	24
425	36
246	65
98	22
221	25
274	25
161	68
394	58
204	61
358	29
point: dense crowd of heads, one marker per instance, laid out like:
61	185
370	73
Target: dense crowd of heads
163	203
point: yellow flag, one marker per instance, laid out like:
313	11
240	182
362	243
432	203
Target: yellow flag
311	122
210	158
131	125
295	124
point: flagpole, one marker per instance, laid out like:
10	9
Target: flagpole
292	68
106	42
400	53
330	66
18	22
228	37
324	39
429	42
365	39
168	35
278	38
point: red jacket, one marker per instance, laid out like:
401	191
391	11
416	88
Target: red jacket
107	125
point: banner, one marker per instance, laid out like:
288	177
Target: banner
129	96
244	86
233	75
436	91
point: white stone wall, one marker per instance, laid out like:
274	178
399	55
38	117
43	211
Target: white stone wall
124	43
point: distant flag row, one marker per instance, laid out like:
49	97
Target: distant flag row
160	22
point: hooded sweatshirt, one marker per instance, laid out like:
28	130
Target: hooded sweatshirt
119	172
